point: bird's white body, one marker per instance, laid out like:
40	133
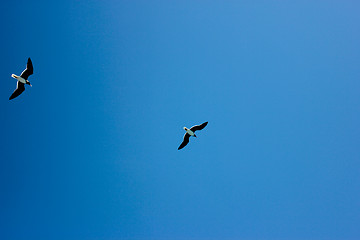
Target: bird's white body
189	131
20	79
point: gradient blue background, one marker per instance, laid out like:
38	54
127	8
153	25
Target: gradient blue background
90	151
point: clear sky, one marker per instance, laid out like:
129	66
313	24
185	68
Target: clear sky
90	151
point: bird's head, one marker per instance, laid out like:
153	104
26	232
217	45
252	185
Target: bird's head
185	128
28	83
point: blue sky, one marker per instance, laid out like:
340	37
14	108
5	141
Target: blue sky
90	151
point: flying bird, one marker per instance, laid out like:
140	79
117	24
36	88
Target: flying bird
191	132
22	79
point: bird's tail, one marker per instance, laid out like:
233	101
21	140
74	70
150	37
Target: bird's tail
14	76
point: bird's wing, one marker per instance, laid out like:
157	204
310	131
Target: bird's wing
28	71
19	89
185	142
198	127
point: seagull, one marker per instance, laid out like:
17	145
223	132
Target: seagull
191	132
22	79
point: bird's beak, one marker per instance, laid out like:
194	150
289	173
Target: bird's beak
30	85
